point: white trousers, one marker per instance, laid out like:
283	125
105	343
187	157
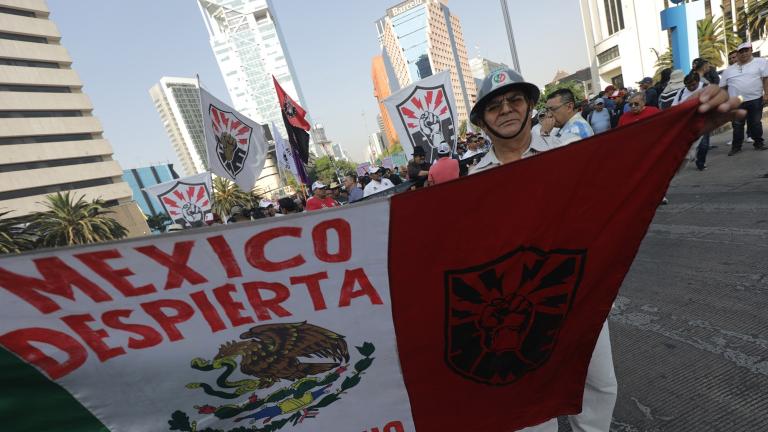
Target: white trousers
599	393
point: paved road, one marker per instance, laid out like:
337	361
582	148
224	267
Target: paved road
690	325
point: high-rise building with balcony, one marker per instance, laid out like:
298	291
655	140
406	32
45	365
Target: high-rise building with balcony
49	139
249	48
421	38
177	100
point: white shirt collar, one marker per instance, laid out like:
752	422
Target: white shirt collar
537	145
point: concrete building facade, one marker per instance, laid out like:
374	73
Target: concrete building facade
381	90
623	37
421	38
177	100
49	139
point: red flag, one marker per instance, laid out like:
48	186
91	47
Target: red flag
296	124
498	307
294	112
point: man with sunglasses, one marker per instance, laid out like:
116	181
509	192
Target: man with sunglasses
638	110
503	110
748	80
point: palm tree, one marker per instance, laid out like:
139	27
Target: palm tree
715	40
69	221
158	221
13	238
227	195
753	18
663	61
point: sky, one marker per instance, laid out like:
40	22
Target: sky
122	48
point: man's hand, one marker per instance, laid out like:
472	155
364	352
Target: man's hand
718	108
547	124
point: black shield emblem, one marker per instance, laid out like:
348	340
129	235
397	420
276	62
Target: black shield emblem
427	115
233	140
503	318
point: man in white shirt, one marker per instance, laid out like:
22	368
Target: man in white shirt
377	183
573	127
748	79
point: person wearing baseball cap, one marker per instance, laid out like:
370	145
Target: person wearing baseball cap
600	119
747	79
320	199
377	183
445	168
651	94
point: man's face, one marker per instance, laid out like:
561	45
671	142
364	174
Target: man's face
644	86
745	55
637	103
376	176
349	183
692	85
320	193
732	58
561	111
506	113
599	107
418	159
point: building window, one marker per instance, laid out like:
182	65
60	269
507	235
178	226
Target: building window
19	12
614	15
50	163
34	114
608	55
23	38
34	89
43	190
45	139
28	63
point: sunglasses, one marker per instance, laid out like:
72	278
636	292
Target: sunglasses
634	104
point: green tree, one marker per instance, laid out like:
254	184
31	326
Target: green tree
70	221
325	172
11	234
574	86
463	129
716	40
394	149
158	221
752	20
226	195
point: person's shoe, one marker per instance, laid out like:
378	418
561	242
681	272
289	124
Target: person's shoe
712	147
664	201
760	147
701	167
729	143
734	151
749	140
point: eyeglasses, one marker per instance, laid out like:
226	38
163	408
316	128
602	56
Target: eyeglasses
514	101
553	109
634	104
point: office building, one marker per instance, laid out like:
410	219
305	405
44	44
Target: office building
249	48
382	89
49	139
421	38
177	100
140	178
481	67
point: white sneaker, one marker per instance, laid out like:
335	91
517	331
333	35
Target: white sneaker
749	140
729	143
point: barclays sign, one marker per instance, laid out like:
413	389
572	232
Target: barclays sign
404	7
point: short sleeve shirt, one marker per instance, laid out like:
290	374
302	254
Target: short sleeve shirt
745	80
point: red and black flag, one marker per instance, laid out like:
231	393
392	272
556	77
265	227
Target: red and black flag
296	125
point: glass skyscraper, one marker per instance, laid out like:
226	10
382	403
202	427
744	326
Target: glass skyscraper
249	48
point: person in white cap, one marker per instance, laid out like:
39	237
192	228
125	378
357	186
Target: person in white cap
503	110
747	79
377	183
600	118
320	198
445	168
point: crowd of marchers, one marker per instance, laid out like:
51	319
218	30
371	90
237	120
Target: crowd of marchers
563	120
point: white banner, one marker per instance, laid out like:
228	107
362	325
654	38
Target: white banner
236	146
424	114
253	325
187	200
286	162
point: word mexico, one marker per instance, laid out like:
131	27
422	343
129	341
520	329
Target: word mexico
227	281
